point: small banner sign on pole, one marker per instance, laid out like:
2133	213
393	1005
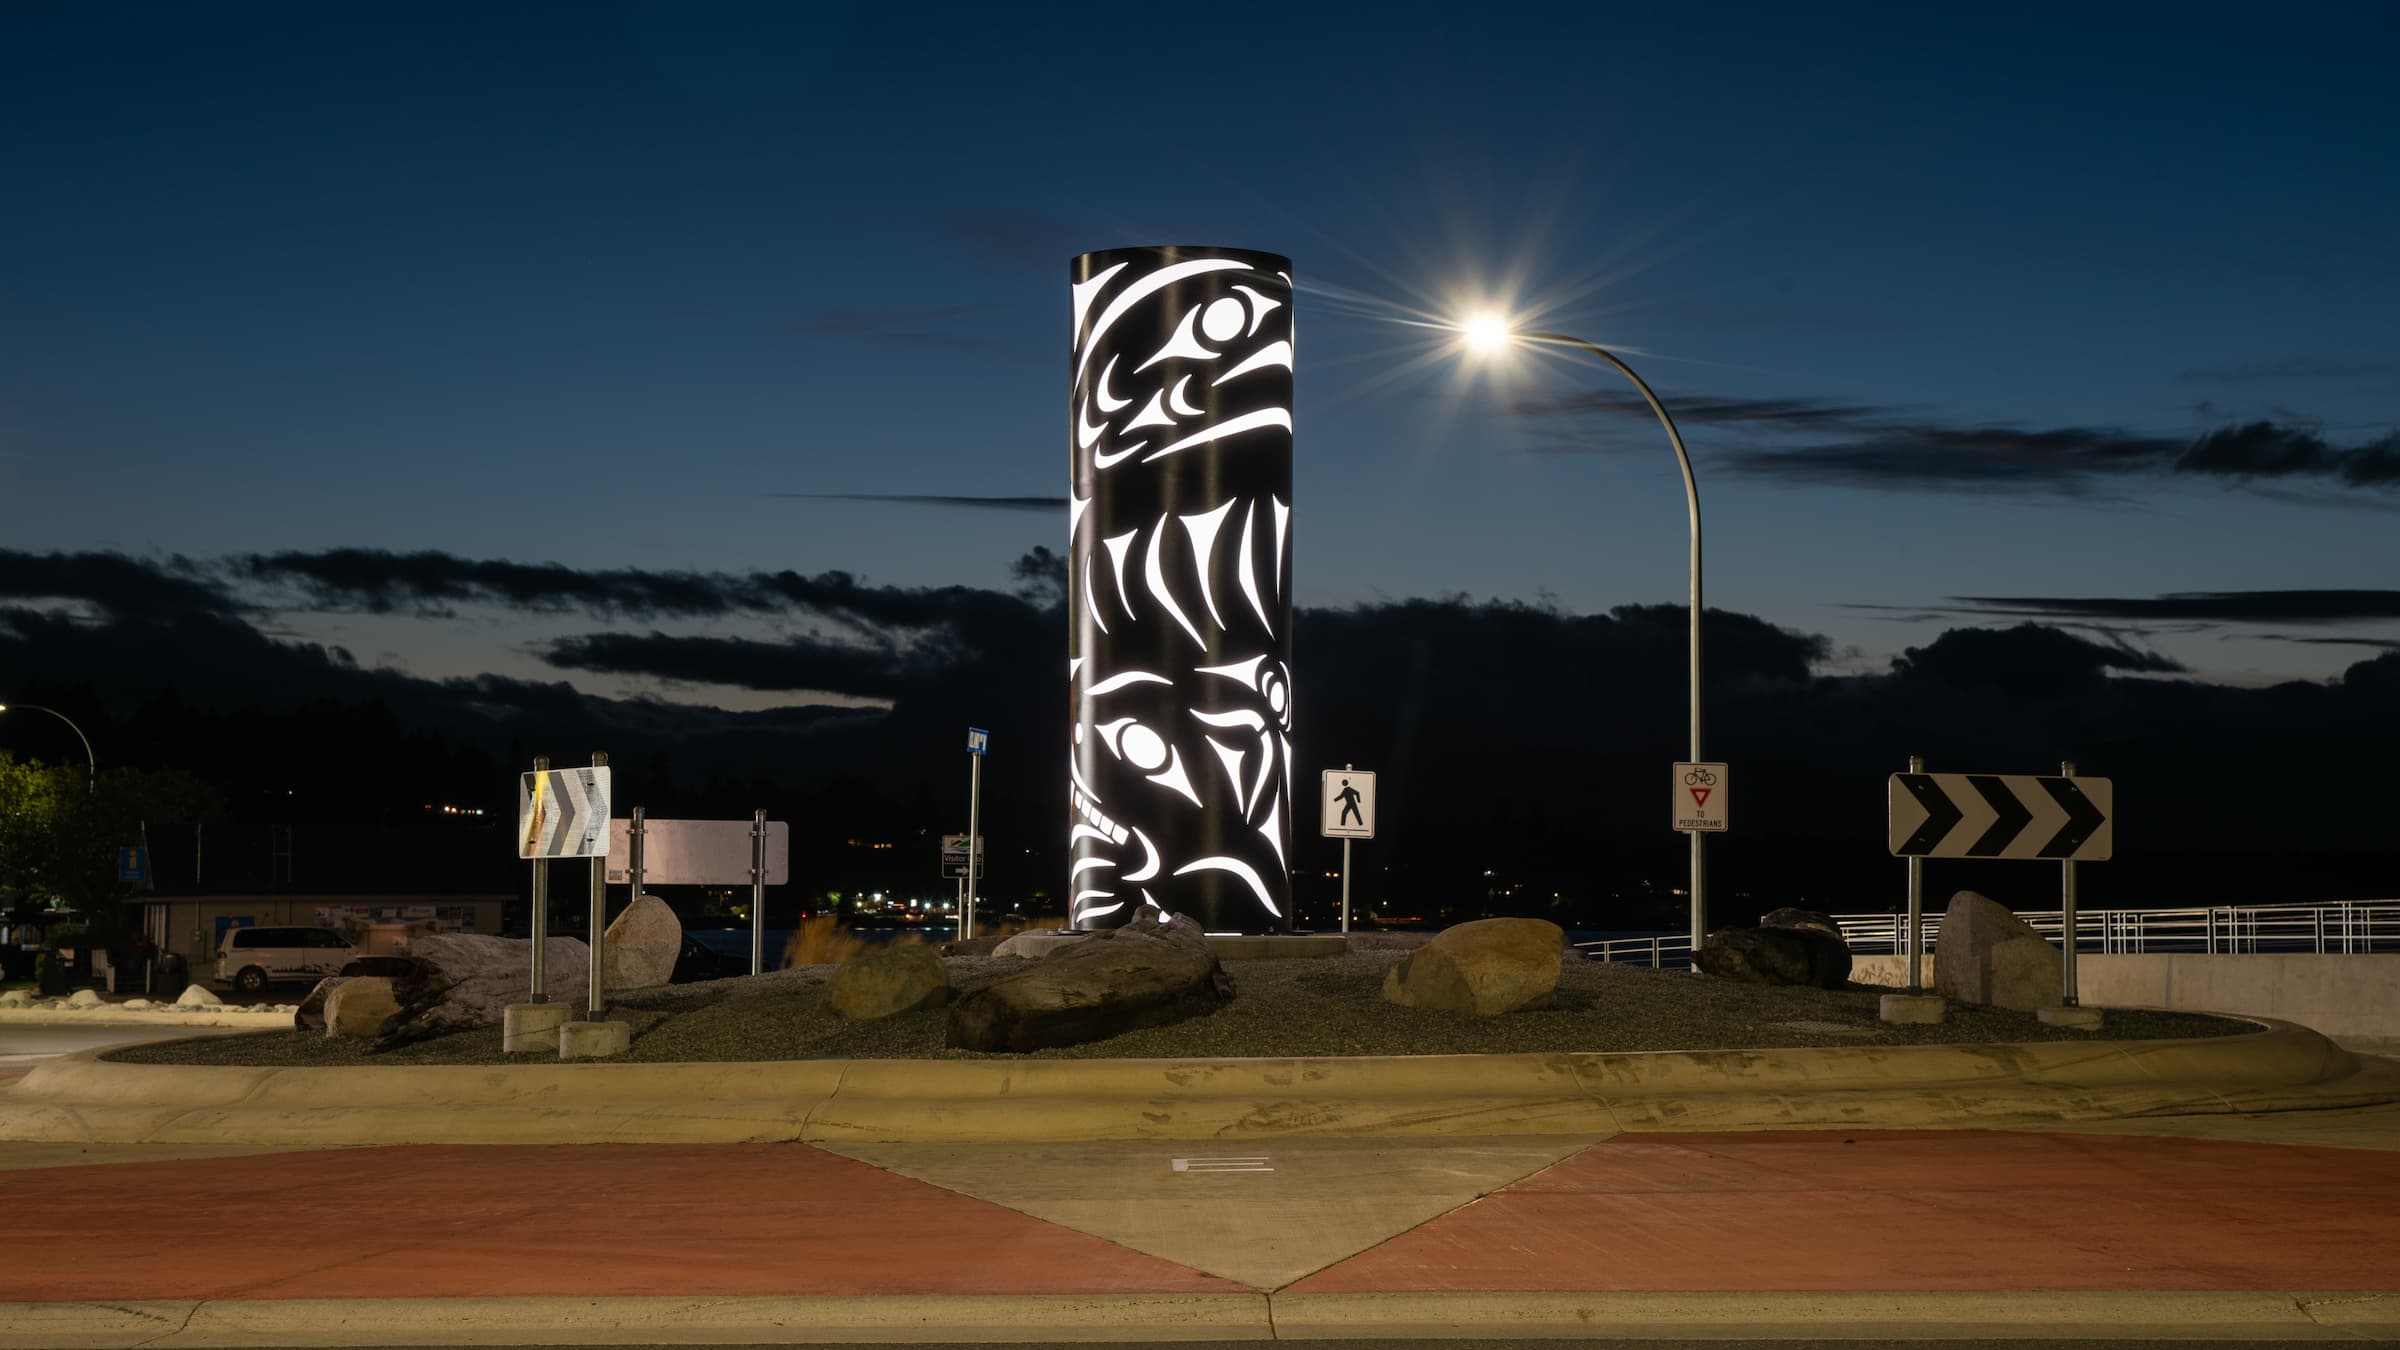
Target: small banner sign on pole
1699	795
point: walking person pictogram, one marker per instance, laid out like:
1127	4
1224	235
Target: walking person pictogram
1348	797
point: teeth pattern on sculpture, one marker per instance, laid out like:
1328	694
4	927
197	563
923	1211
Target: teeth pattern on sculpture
1179	568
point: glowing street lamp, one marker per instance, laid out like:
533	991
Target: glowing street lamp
1492	333
91	765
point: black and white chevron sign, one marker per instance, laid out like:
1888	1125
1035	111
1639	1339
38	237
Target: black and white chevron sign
563	813
1990	815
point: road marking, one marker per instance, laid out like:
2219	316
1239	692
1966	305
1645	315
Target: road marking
1258	1164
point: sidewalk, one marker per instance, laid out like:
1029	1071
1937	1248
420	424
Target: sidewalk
2273	1224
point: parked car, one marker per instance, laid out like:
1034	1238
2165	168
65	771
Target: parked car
251	958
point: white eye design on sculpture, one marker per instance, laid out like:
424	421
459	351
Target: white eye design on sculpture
1146	750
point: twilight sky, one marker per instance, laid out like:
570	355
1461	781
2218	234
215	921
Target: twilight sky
2052	313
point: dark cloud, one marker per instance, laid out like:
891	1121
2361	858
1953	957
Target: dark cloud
2029	661
797	665
1055	504
2265	450
2289	369
936	327
380	582
123	586
2311	606
1514	738
1865	445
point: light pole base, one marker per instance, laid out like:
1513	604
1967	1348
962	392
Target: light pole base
2073	1016
593	1040
529	1027
1915	1009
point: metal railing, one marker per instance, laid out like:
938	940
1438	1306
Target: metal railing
2342	927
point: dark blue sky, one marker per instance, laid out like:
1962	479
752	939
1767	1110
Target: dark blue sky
2036	304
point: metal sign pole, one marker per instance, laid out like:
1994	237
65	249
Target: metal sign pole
758	890
540	927
974	836
1345	885
1916	906
2066	914
599	920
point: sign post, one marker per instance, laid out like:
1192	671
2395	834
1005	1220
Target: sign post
540	926
561	813
979	744
599	921
1346	811
758	890
2007	816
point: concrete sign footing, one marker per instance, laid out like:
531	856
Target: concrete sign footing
593	1040
2078	1018
1925	1009
529	1027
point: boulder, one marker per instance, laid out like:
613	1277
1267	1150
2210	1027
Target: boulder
1482	969
84	998
1034	943
465	980
888	980
361	1007
1783	956
310	1014
198	996
642	944
16	998
1155	970
1793	917
1986	954
138	1005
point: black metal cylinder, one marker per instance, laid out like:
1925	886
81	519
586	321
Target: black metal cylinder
1179	587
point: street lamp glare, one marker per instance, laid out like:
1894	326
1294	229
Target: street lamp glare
1486	332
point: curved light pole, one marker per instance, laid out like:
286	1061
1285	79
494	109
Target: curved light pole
91	765
1490	333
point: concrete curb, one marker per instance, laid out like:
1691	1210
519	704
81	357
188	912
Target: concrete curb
2284	1067
2297	1315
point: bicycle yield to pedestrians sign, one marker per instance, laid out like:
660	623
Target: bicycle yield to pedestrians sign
1699	797
1346	804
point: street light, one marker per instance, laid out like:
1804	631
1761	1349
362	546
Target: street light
91	765
1490	333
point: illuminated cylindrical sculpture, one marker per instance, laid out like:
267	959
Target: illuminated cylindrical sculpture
1179	587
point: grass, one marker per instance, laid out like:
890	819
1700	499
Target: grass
1284	1008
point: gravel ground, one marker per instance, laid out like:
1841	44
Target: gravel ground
1326	1006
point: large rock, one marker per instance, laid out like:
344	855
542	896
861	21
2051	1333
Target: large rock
1155	970
1034	943
465	980
1482	969
361	1007
1803	955
886	981
198	996
641	946
1791	916
1986	954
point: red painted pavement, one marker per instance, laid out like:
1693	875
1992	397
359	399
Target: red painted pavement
624	1219
1916	1210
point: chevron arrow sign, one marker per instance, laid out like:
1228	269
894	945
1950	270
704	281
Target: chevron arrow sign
1989	815
563	813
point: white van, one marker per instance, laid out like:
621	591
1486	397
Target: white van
251	958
